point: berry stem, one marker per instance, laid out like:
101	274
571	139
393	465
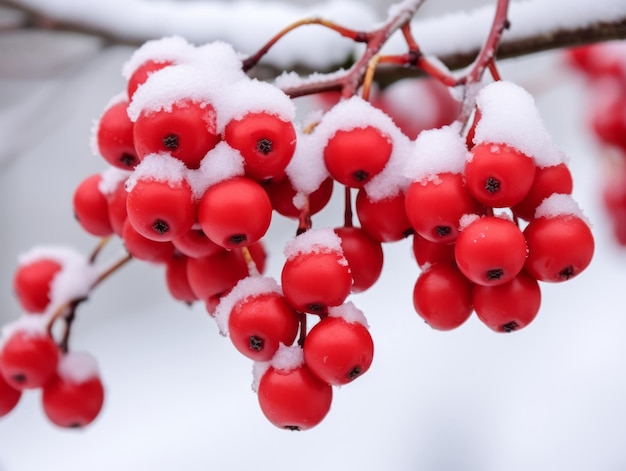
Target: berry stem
347	215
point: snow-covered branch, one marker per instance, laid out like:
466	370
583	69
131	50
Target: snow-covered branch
535	25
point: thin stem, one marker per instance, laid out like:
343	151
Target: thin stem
253	270
96	251
347	215
303	328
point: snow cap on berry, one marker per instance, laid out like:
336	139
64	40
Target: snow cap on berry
111	178
219	164
32	324
559	204
169	49
349	313
244	289
160	167
174	85
252	96
323	240
306	170
466	220
78	367
436	151
509	116
73	281
286	358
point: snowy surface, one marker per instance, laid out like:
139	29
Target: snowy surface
550	397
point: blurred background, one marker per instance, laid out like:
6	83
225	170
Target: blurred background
551	396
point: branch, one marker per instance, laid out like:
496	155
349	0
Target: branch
536	25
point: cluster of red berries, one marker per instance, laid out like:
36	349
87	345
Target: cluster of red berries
72	394
603	67
201	156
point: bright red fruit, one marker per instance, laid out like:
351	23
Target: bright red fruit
282	192
257	325
145	249
294	399
71	404
434	208
141	74
28	359
116	203
91	208
385	220
490	250
364	255
160	210
177	280
9	397
194	243
498	175
32	282
353	157
338	351
442	296
114	136
510	306
314	281
235	213
266	142
187	132
559	247
427	252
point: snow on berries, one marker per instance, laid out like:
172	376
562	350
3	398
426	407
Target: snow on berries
201	157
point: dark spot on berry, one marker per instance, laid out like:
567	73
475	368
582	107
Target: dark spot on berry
354	372
567	273
255	343
360	175
75	425
264	146
408	232
492	185
315	307
160	226
293	428
443	231
128	160
237	238
495	274
509	326
171	141
19	378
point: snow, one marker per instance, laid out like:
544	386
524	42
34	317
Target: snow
30	324
160	167
349	313
436	151
306	169
78	367
219	164
559	205
509	116
111	178
173	49
322	240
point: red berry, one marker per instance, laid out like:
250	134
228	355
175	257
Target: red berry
353	157
177	279
116	203
9	397
187	132
28	359
434	208
559	247
235	212
91	208
282	192
313	281
364	256
266	142
258	324
490	250
427	252
160	210
442	296
194	243
510	306
294	399
114	136
142	73
498	175
338	351
32	283
385	220
145	249
75	395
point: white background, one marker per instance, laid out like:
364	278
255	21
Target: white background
551	396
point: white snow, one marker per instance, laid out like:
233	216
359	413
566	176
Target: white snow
111	178
31	324
559	204
219	164
173	49
349	313
509	116
306	170
78	367
248	287
322	240
160	167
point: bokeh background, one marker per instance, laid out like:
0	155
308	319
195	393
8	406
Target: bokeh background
549	397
